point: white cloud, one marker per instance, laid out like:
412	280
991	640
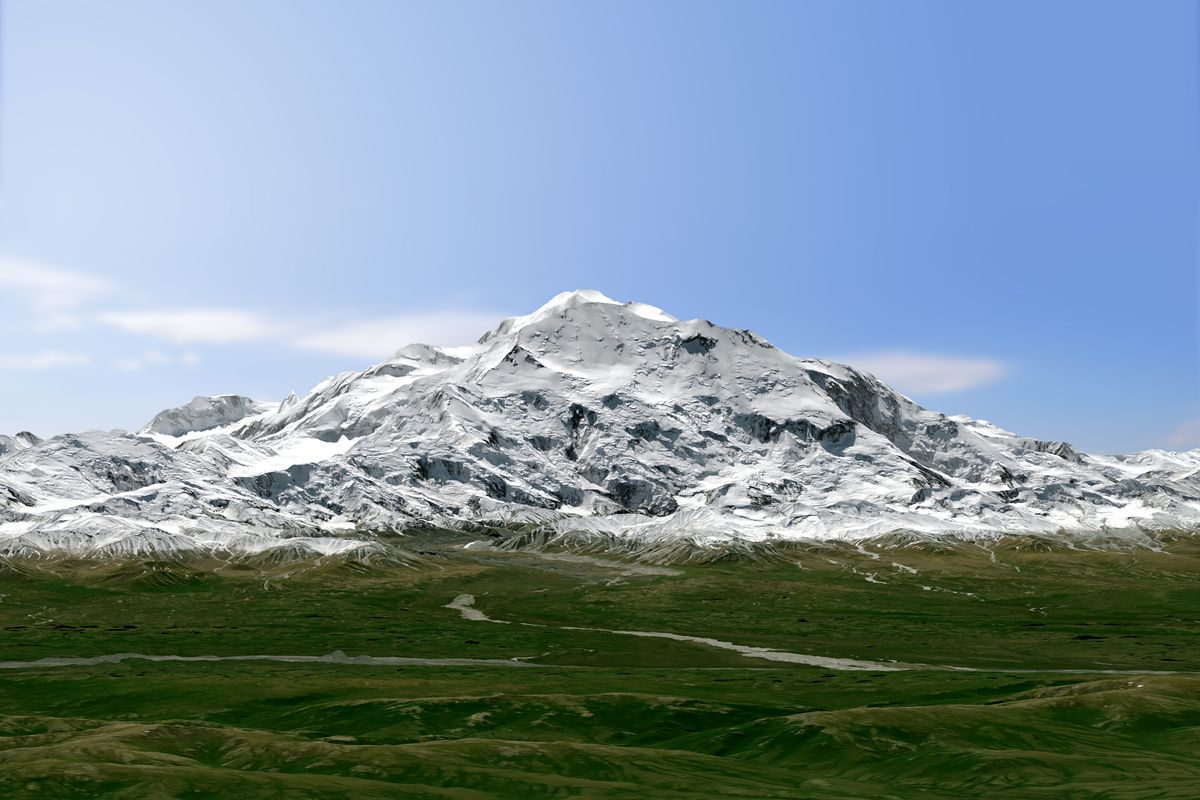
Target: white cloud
379	338
155	358
1186	436
928	373
214	326
49	359
368	338
128	364
52	295
42	297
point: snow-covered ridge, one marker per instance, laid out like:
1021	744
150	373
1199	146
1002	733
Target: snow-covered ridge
204	415
586	415
20	441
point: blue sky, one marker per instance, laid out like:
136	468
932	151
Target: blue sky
993	205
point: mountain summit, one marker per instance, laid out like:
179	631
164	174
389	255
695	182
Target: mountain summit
587	415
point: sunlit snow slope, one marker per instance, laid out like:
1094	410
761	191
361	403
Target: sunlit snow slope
586	415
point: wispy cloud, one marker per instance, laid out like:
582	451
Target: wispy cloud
928	373
53	296
186	326
155	358
48	359
46	297
369	338
379	338
1186	435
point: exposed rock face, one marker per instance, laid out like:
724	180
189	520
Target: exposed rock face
585	415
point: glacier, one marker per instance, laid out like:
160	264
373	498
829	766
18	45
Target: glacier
588	416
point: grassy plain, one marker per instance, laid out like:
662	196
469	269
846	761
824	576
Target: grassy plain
1041	673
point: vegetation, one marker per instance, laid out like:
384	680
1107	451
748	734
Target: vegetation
1031	672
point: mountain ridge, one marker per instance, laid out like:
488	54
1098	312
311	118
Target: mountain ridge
587	415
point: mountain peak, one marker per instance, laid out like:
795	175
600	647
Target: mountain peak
568	301
575	298
206	413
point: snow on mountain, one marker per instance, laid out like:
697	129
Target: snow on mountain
11	444
204	414
586	415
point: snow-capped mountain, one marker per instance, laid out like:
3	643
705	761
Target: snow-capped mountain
11	444
586	415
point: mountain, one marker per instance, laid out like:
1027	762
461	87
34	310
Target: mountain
204	414
11	444
587	415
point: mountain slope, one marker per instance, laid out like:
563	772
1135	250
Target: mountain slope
587	415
